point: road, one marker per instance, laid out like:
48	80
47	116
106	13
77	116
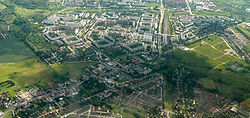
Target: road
162	16
189	9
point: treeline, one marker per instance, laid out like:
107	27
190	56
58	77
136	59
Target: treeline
212	27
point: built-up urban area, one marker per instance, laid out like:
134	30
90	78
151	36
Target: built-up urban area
148	58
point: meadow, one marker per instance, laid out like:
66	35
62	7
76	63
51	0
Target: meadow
128	112
28	72
220	78
13	50
216	50
248	46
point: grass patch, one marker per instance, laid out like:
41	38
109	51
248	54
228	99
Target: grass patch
33	12
208	83
74	69
28	72
152	4
222	46
13	50
8	115
127	112
226	58
208	51
23	11
17	67
193	45
248	46
213	40
215	55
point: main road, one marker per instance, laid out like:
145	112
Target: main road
164	25
162	16
189	9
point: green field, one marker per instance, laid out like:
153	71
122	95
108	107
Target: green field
74	69
208	83
212	74
13	50
127	112
213	40
8	115
23	12
28	72
219	78
248	46
214	48
221	46
208	51
152	4
30	12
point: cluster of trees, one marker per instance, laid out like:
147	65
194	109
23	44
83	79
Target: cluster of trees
91	87
211	27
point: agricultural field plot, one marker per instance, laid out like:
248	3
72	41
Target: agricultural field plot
13	50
